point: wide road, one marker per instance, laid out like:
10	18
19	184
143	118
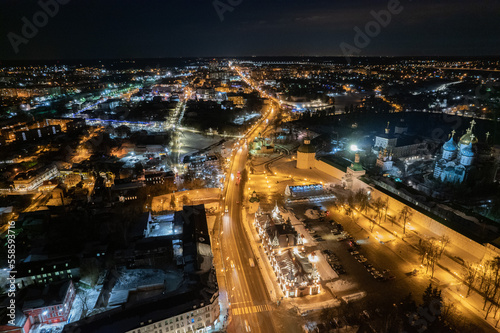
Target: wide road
250	302
251	308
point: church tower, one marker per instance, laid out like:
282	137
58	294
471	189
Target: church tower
306	155
450	148
456	162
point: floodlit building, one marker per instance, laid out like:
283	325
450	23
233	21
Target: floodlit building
384	161
49	304
32	180
306	155
399	144
457	161
297	275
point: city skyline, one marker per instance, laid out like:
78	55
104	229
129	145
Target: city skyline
249	166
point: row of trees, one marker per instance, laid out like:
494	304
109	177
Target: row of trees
431	250
428	312
485	279
360	201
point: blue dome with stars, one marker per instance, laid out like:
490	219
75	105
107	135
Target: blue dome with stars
467	151
450	145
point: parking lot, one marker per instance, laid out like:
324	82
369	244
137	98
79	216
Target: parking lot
365	263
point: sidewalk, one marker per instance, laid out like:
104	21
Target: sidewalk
224	317
268	275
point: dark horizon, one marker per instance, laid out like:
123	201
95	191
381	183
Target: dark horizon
338	59
318	28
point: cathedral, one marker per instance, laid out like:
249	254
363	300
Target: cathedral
458	161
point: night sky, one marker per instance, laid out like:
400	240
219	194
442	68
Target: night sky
150	28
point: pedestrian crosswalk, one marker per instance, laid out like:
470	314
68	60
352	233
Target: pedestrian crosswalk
250	309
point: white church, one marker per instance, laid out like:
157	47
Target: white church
457	160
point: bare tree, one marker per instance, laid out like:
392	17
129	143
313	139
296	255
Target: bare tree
84	298
89	271
404	215
361	198
444	240
339	202
429	250
470	272
491	293
372	224
172	201
378	205
185	200
386	208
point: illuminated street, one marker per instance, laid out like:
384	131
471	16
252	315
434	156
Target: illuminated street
250	167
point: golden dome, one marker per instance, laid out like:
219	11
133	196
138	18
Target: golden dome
468	138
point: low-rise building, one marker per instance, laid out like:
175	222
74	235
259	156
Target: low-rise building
297	275
399	144
33	179
193	308
49	304
46	271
